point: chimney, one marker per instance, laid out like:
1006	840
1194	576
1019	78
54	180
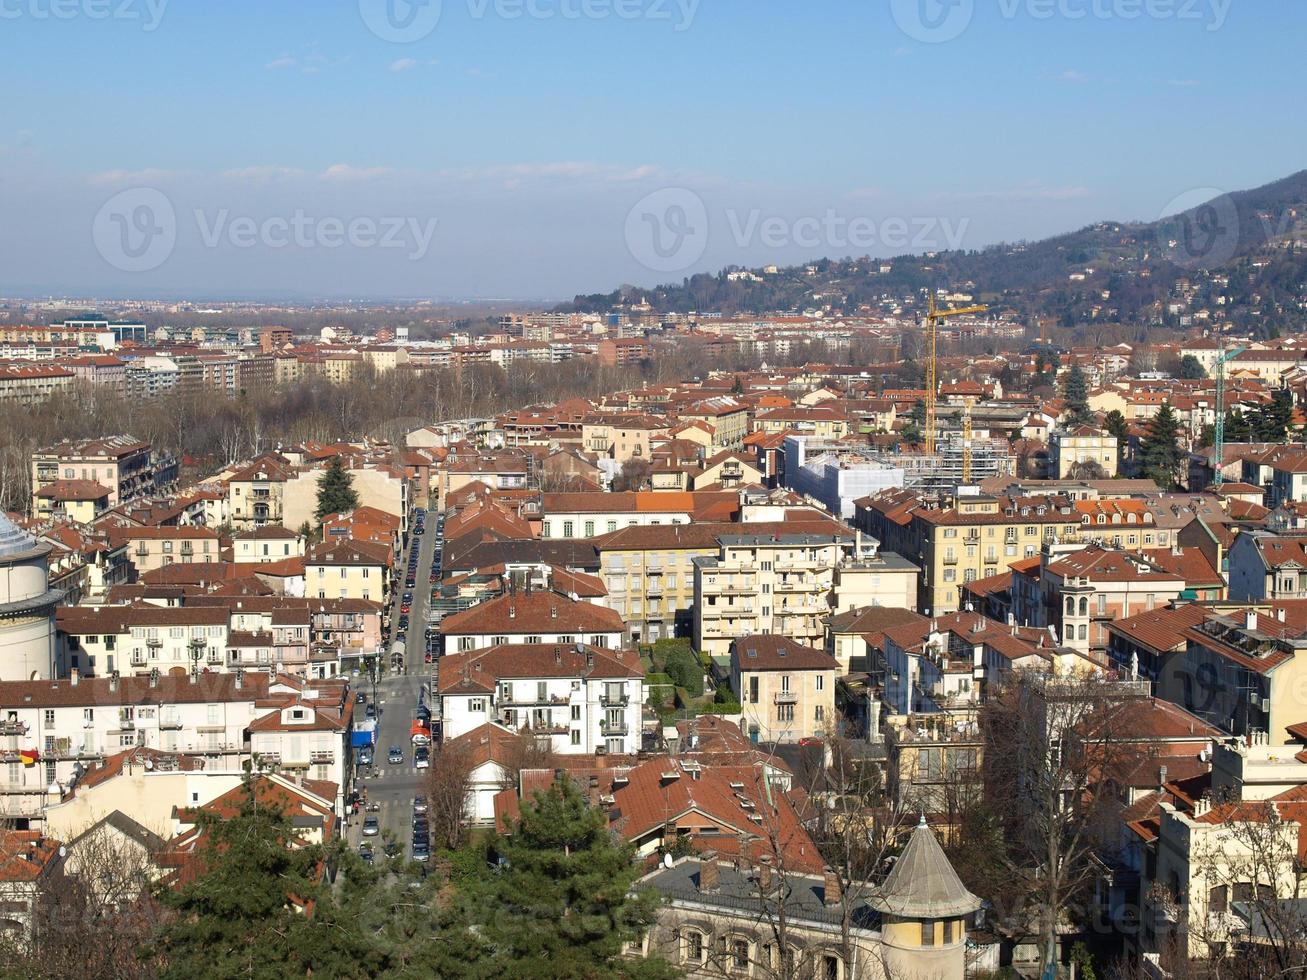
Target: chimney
765	874
1250	619
154	677
709	874
1161	776
831	892
113	681
73	677
240	679
669	834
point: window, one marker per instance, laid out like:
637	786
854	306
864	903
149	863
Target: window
928	934
821	682
784	712
829	968
948	931
476	705
576	713
576	736
694	947
820	713
567	529
49	717
740	954
589	529
753	690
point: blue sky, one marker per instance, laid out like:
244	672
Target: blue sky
502	152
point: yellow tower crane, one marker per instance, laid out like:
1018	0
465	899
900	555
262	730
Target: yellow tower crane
933	315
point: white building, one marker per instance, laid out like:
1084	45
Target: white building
583	699
27	629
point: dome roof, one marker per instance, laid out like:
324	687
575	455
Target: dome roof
13	539
923	885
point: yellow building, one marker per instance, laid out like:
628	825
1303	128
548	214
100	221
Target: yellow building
786	690
971	537
254	492
1083	444
347	570
649	574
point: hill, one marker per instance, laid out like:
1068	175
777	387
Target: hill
1241	256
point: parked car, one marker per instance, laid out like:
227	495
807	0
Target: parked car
419	804
360	698
365	852
371	827
421	851
422	758
365	756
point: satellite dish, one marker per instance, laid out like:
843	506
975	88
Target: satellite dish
667	861
149	764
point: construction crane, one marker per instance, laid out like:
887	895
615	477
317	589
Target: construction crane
1219	459
933	315
966	439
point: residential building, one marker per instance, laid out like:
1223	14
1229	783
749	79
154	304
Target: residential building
1078	447
255	492
787	690
269	543
531	618
126	466
344	569
149	548
579	698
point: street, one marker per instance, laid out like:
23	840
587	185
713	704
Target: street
396	694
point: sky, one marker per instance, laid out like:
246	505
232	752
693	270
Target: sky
535	149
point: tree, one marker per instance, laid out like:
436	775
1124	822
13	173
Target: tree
1117	426
562	904
1272	422
336	493
449	790
252	904
1088	469
1052	754
1076	393
1191	369
634	475
1160	455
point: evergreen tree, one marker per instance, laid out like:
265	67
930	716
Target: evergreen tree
1160	455
1117	426
255	907
1076	393
1191	369
336	492
1272	422
562	905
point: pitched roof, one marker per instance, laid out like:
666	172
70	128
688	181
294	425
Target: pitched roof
771	652
532	612
923	884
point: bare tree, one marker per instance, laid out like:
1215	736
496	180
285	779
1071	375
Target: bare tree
1051	755
448	788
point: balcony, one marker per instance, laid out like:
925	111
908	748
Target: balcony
154	644
950	559
610	726
126	724
321	757
170	723
13	728
621	700
555	700
787	697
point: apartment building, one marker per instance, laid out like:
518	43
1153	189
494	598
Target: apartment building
343	569
149	548
30	383
1265	566
269	543
768	580
622	437
649	574
126	466
1079	446
379	485
1080	593
65	726
581	699
254	492
787	690
531	618
972	537
728	418
586	514
81	501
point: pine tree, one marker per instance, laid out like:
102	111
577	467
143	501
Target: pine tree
562	905
1076	393
336	492
1271	423
1160	456
1191	369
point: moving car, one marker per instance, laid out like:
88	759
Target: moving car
396	756
371	827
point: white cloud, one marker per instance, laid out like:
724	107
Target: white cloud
1073	75
403	64
285	61
260	173
1183	82
344	171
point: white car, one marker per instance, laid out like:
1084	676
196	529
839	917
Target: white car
422	759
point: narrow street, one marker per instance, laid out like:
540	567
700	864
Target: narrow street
395	785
